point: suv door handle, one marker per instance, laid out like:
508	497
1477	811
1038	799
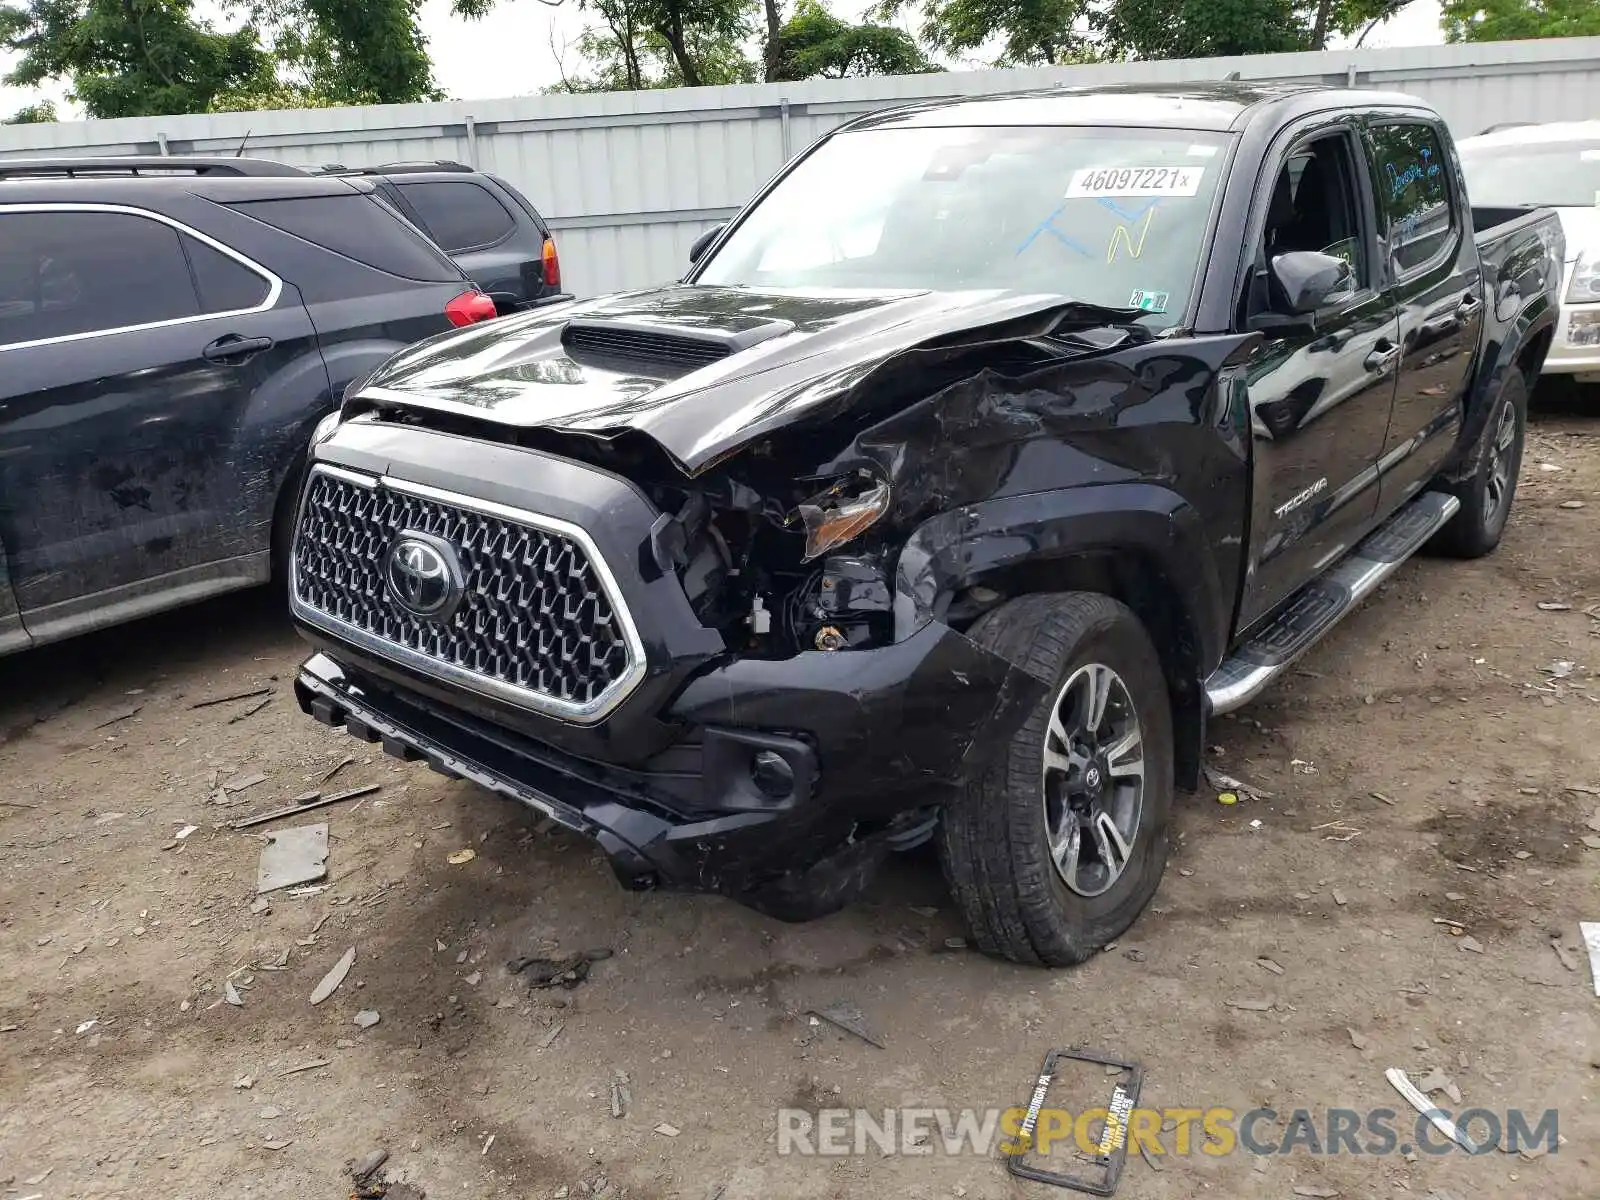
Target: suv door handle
1469	307
231	348
1383	357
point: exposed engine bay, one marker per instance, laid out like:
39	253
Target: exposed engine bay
790	544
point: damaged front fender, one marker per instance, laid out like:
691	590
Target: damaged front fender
916	713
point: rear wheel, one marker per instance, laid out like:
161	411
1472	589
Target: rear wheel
1486	495
1060	844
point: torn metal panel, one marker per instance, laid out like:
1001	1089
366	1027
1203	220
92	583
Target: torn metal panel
661	372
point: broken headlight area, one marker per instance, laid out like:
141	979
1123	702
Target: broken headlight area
782	569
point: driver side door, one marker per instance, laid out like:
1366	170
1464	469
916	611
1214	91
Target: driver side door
1321	393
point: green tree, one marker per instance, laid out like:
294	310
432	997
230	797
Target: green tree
339	52
129	58
41	113
1212	28
625	56
1515	20
696	34
814	43
1030	33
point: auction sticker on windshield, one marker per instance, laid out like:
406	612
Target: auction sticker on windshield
1135	181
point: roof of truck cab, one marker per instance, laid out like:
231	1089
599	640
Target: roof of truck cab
1525	135
1216	106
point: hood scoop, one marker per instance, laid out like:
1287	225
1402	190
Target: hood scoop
661	345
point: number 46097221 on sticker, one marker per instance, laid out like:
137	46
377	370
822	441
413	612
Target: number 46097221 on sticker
1135	181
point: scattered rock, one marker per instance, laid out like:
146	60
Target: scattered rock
366	1166
331	981
271	1113
1359	1041
1472	944
549	1039
1266	964
231	995
566	972
666	1130
474	979
1572	504
1437	1081
462	856
1339	898
245	1082
293	856
260	905
848	1018
367	1018
276	1143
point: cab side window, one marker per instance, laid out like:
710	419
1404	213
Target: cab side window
1413	193
1312	207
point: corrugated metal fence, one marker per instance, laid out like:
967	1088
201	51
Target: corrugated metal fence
629	179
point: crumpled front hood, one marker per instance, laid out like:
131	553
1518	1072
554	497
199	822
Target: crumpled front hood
792	352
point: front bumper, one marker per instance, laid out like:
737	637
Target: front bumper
870	743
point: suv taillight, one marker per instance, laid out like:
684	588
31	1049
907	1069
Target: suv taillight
469	308
552	263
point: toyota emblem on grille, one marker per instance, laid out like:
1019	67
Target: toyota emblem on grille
424	576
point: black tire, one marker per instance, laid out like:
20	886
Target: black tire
1486	501
994	838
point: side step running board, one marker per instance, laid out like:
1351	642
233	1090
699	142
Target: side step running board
1320	605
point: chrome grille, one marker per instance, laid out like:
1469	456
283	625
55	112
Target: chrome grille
537	623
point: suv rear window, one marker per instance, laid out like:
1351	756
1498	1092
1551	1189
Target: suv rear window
65	274
359	228
460	216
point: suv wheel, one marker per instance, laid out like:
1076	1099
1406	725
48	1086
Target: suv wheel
1487	494
1056	848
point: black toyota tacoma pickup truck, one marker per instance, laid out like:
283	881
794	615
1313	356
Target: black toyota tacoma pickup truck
993	447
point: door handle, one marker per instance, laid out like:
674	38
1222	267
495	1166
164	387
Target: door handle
1469	307
1382	358
232	348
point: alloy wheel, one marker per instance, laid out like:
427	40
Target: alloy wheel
1093	779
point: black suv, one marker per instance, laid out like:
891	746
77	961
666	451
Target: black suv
170	334
480	220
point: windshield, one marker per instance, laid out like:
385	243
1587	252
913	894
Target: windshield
1554	175
1111	216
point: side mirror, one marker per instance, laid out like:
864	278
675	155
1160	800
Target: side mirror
1308	280
704	240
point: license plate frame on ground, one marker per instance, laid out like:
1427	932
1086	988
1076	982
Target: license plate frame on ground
1114	1137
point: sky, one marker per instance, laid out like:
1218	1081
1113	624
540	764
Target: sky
520	47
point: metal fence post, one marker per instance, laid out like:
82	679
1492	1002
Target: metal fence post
783	122
472	142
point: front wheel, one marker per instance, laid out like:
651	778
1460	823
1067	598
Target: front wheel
1059	845
1486	494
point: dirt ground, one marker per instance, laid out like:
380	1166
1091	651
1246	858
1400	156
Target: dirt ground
1425	765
